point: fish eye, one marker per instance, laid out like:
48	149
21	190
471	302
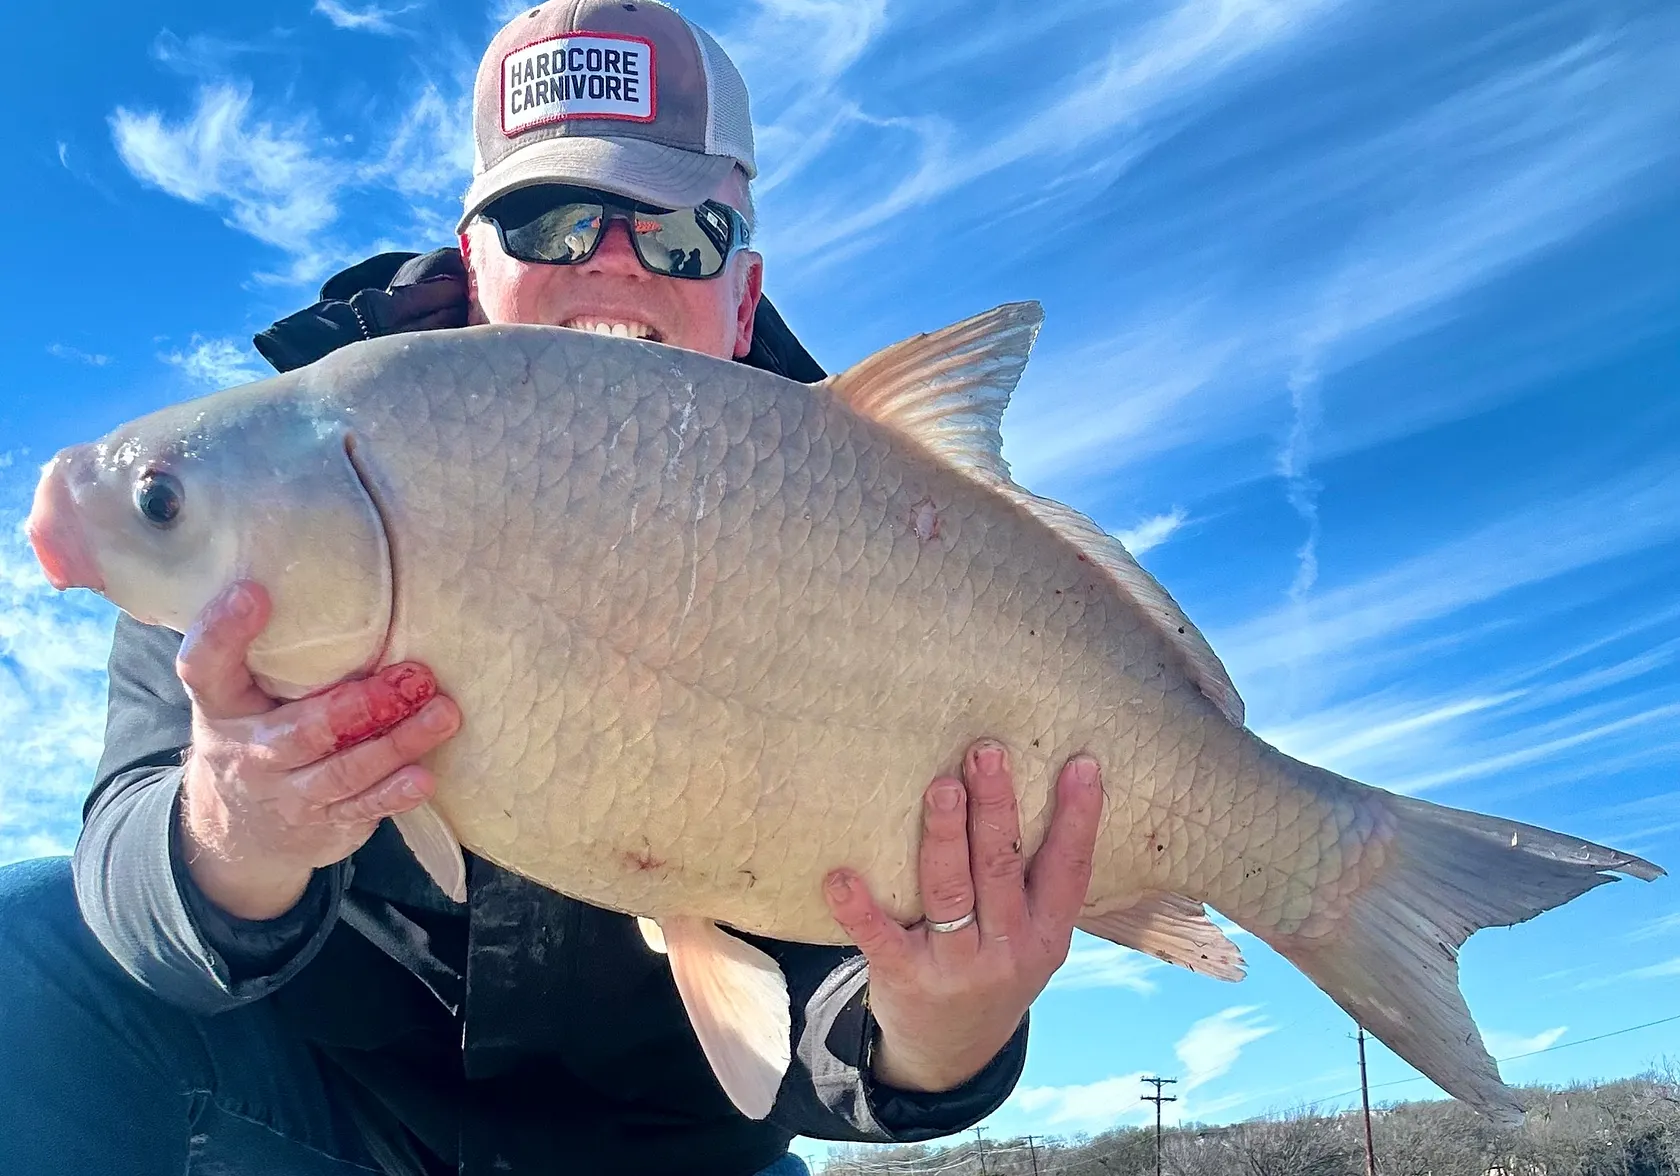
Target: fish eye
158	497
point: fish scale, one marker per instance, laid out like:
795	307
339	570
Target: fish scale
712	633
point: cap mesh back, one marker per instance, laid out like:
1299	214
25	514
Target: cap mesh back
729	118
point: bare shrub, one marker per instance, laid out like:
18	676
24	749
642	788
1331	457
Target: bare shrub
1434	1139
1629	1128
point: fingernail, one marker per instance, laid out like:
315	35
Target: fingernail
410	787
1084	771
989	759
947	797
436	717
238	601
415	685
840	886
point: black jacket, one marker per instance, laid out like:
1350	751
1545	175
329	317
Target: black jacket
523	1032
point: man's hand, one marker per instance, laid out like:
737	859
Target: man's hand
272	791
947	1002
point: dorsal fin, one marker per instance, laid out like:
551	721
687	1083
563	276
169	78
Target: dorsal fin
947	391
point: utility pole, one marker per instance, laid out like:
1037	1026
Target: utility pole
1032	1150
1158	1098
980	1144
1365	1101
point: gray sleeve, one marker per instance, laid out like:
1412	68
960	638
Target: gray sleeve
829	1092
134	894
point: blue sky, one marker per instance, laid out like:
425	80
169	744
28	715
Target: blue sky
1362	328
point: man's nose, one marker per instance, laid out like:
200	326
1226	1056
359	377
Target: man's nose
615	254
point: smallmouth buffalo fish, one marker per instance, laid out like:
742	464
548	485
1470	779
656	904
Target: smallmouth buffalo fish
714	631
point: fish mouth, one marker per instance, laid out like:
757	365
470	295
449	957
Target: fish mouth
56	533
382	515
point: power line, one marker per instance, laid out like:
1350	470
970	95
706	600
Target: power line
884	1165
1518	1057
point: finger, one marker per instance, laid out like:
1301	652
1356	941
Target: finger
341	776
309	730
884	943
1060	874
397	793
211	664
994	841
946	881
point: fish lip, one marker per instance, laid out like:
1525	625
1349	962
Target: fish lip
56	534
377	661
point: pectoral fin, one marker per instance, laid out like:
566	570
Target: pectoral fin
651	934
1172	928
433	843
737	1001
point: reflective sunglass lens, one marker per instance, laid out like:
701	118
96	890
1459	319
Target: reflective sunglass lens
560	225
565	234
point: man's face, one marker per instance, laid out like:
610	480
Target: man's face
714	316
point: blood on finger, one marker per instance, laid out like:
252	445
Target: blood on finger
366	709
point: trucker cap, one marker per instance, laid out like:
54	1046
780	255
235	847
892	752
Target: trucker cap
625	95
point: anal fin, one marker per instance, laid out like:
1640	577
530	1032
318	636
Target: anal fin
433	844
1172	928
737	1001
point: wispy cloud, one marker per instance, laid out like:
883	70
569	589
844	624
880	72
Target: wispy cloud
1665	925
77	355
1340	735
1535	752
369	19
1109	1102
428	158
266	177
1510	1045
1093	963
1152	532
1662	970
502	11
52	690
1134	78
1627	514
1656	971
217	363
1213	1044
207	57
1088	1105
1416	733
279	176
1507	168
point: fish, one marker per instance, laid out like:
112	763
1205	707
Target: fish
713	631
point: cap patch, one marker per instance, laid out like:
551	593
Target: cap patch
578	75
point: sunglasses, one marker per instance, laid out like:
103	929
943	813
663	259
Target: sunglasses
557	224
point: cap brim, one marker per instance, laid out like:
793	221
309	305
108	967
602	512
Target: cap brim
649	172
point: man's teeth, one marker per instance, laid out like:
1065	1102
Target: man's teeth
617	330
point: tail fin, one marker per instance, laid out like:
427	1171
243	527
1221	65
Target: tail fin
1392	960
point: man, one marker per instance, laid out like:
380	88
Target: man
267	982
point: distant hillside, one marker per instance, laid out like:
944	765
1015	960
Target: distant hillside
1627	1128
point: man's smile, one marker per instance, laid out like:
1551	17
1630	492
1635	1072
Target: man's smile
620	328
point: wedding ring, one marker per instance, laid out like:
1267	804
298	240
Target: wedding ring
953	925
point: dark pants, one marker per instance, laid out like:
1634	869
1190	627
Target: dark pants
101	1077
